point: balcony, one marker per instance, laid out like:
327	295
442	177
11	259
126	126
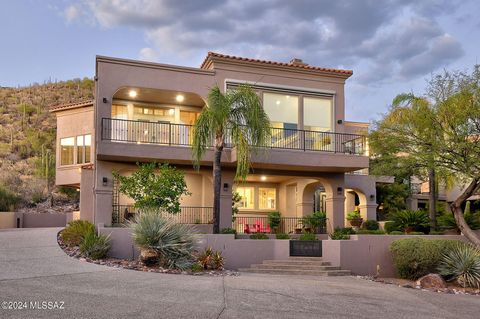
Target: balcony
165	133
187	215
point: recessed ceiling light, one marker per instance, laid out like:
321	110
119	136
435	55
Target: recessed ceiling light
132	93
278	102
171	111
180	98
263	178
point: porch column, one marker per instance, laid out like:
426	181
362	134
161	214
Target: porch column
226	200
335	207
86	194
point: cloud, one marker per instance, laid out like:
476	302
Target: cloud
387	42
72	13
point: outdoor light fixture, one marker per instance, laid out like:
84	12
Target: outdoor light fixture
339	121
339	190
105	100
179	98
225	187
263	178
132	93
278	102
171	111
372	197
104	181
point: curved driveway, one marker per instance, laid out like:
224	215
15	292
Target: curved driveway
34	268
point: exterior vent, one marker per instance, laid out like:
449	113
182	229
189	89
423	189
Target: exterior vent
296	61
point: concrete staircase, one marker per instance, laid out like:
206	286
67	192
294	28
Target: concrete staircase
311	266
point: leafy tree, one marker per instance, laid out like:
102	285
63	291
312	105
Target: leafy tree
235	116
444	134
392	198
154	186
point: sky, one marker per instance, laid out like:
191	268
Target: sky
392	46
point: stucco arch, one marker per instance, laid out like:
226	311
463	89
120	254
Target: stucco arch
365	187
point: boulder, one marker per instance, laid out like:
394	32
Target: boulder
432	281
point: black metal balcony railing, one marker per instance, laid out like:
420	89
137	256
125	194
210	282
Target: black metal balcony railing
180	134
188	214
288	225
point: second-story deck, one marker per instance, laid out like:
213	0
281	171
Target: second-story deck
166	133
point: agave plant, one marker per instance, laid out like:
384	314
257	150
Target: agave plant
410	220
210	259
461	263
164	240
95	246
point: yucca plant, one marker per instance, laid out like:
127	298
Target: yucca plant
163	240
95	246
461	263
76	231
410	220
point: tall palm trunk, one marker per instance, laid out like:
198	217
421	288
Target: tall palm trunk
217	185
432	198
456	208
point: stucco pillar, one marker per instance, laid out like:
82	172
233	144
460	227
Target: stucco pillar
335	207
304	208
226	200
86	194
103	194
368	211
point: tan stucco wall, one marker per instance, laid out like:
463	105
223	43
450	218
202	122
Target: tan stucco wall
70	123
7	220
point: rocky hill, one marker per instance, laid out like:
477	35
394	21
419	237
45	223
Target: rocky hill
27	139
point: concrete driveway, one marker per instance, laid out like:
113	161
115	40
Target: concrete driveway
34	269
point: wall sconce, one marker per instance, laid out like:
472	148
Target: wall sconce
339	191
105	100
339	121
104	181
225	187
372	197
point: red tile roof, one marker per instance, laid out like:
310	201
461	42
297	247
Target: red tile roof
75	105
211	55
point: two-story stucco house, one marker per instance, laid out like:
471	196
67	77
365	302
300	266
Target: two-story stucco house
145	112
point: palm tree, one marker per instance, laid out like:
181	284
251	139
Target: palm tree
236	116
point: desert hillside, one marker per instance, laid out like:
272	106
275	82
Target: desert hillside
27	140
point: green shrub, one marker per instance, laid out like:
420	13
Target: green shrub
461	262
315	221
282	236
354	215
196	267
210	259
411	220
435	232
8	200
341	233
447	221
417	257
370	225
173	243
95	246
390	226
307	236
228	231
274	220
76	231
370	232
258	236
396	232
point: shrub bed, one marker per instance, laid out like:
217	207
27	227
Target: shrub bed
416	257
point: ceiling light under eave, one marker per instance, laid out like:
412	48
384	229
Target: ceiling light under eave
179	98
263	178
132	93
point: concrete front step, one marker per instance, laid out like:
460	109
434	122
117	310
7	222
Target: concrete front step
298	262
297	272
306	258
290	266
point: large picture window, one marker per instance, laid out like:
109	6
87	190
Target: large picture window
248	196
267	198
317	114
84	143
281	109
67	149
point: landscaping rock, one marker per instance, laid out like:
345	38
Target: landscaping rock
432	281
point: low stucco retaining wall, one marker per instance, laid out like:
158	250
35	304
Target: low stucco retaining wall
44	220
8	220
363	253
238	253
